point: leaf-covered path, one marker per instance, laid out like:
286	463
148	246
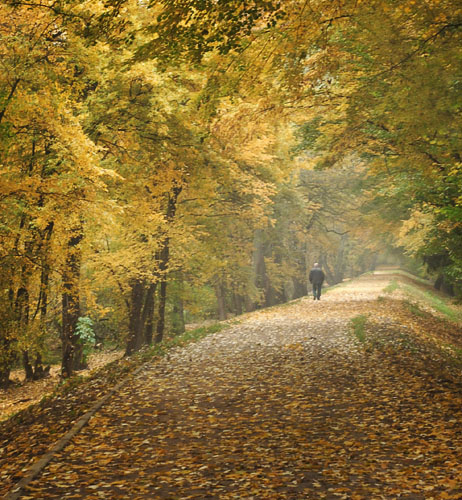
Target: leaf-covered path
285	404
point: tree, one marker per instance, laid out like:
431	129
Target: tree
50	175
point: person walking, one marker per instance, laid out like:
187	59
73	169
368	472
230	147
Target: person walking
316	278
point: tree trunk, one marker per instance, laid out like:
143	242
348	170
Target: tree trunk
327	270
79	361
71	304
28	368
250	305
135	330
438	282
36	371
178	323
5	377
148	313
339	264
163	264
300	288
7	340
262	280
161	309
39	370
442	285
22	317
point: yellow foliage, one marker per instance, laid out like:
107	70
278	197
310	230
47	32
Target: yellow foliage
415	231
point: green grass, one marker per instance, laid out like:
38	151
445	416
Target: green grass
456	352
358	324
391	287
415	309
436	302
407	274
161	349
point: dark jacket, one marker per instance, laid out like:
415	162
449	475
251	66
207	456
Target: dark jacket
316	276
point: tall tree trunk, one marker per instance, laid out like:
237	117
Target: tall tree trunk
80	362
339	263
250	305
300	288
162	293
163	264
178	326
28	368
262	280
148	313
177	321
7	339
22	318
71	304
327	270
135	330
39	371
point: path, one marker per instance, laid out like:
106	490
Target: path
283	405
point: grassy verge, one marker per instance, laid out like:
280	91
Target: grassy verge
415	309
391	287
436	302
329	288
358	327
423	297
413	277
405	332
182	340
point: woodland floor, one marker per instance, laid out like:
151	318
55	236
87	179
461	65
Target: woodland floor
21	394
286	403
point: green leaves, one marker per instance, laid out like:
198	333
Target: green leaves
190	29
392	102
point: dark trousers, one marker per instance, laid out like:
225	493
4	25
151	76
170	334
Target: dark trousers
317	290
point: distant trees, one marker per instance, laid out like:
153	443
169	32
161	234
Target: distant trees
391	96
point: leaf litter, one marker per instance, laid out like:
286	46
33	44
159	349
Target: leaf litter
285	405
24	393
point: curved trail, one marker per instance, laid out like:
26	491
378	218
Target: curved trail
283	405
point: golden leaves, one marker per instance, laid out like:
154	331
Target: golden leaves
415	230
